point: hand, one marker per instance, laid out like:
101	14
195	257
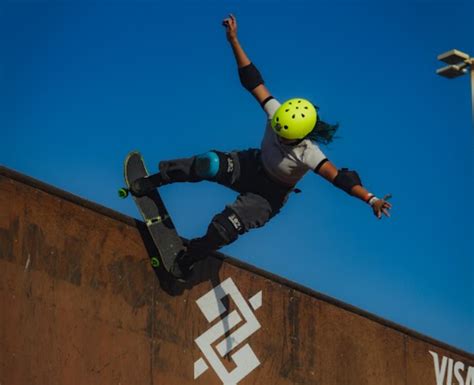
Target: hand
231	27
382	206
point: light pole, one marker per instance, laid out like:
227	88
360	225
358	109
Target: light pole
458	65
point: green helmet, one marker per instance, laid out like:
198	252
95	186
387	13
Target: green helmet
294	119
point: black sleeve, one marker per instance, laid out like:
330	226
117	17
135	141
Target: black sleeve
266	101
316	170
250	77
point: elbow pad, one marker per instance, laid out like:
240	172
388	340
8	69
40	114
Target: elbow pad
346	180
250	77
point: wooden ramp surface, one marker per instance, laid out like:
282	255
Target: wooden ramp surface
80	304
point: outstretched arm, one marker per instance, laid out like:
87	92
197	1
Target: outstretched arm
349	181
249	75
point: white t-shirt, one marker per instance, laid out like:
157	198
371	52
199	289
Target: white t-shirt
287	164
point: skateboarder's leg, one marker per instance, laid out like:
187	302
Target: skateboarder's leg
214	166
249	211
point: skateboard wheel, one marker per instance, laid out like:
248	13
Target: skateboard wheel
123	193
155	262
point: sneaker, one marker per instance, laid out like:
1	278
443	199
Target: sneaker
183	266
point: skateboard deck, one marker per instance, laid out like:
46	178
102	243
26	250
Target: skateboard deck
154	214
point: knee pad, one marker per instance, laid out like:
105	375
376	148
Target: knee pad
215	166
223	230
207	165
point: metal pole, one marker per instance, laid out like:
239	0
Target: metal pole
472	90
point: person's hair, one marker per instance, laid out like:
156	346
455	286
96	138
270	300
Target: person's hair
323	132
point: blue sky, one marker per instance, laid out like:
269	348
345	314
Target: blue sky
83	83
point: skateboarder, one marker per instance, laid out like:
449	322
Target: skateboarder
265	177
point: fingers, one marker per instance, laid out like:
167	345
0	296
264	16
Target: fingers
382	207
385	199
383	210
378	213
230	22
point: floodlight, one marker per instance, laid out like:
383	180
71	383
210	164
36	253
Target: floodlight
452	71
459	62
453	57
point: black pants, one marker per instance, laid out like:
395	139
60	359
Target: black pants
259	200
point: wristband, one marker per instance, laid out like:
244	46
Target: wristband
373	200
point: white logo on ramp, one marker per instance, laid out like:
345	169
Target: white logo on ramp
212	307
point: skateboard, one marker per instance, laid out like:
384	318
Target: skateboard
154	214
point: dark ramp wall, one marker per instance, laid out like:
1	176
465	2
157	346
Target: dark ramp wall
81	304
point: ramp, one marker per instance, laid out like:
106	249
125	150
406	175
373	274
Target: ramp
81	304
